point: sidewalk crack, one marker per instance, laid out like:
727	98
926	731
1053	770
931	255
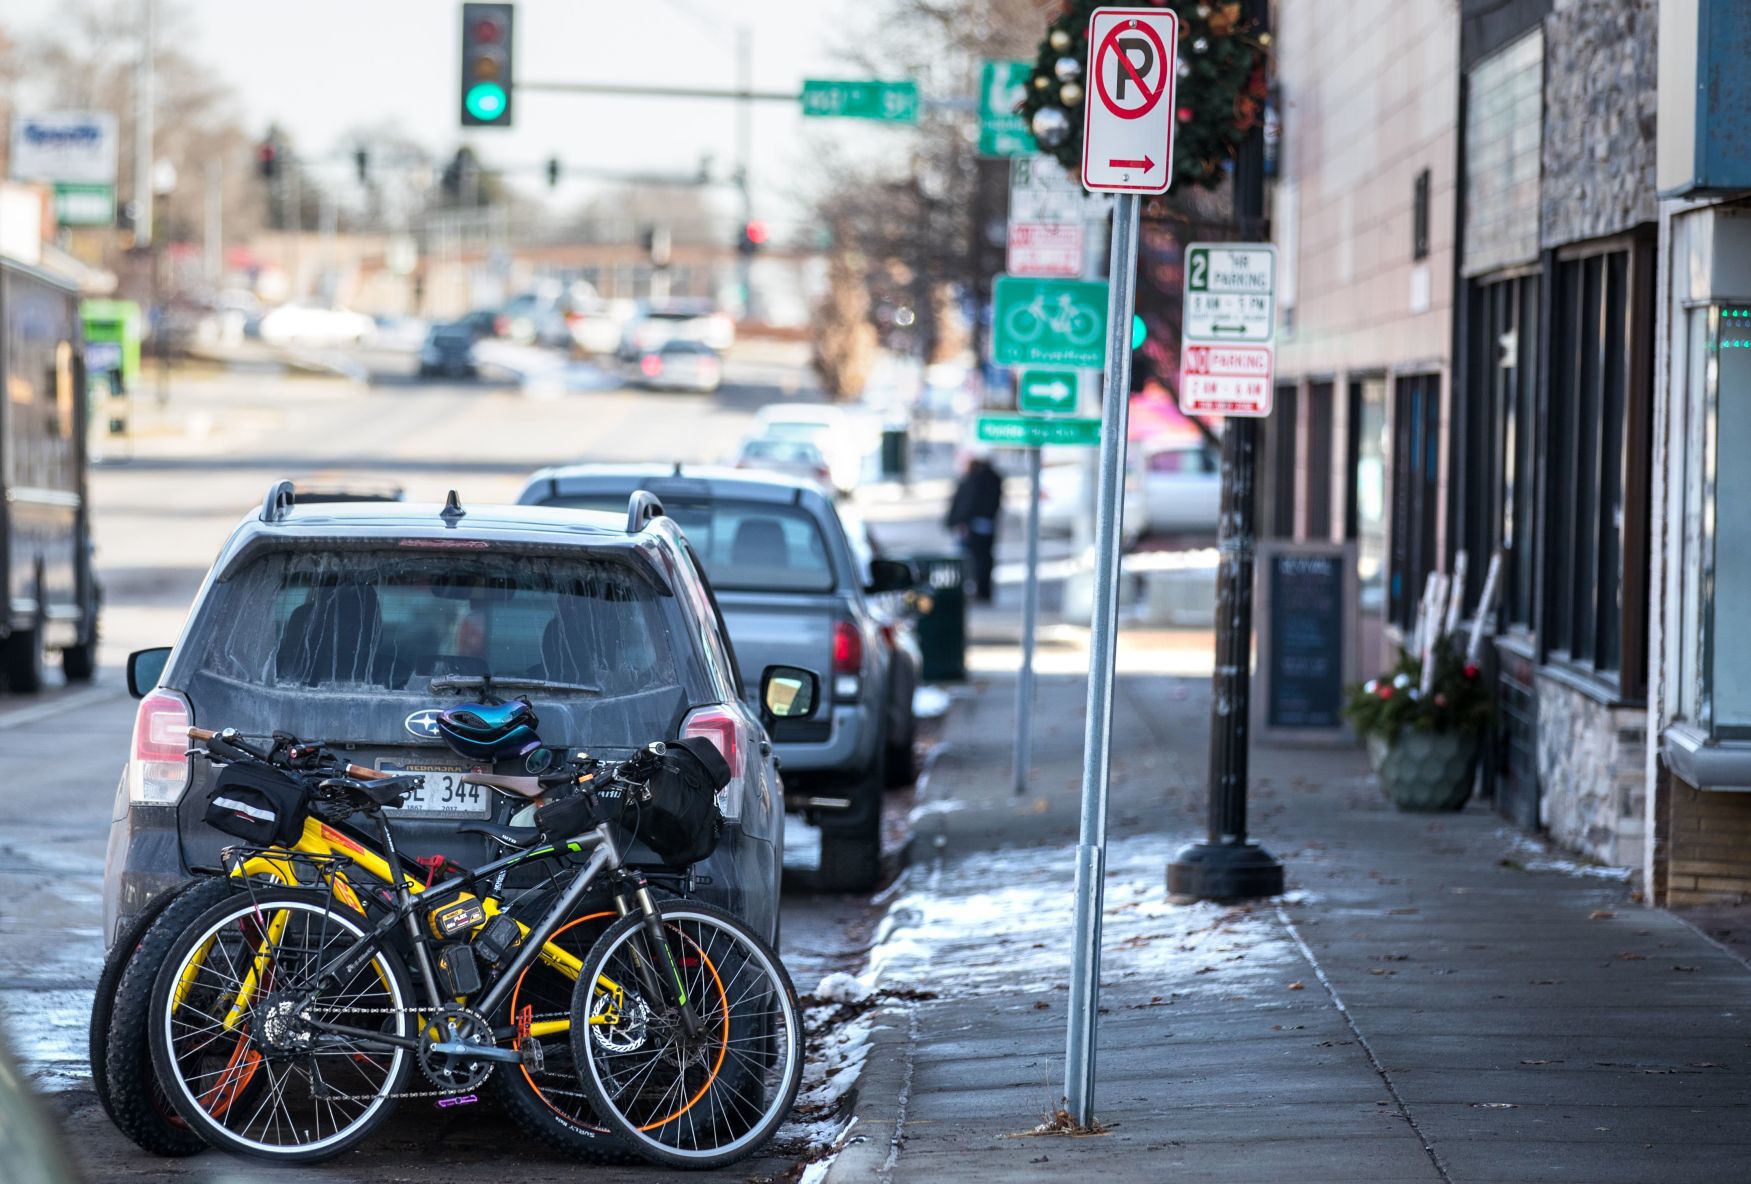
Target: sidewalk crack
1367	1049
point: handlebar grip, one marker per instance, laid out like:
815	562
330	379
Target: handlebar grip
200	734
361	773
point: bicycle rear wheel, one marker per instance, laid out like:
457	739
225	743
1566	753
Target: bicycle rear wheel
251	1078
684	1101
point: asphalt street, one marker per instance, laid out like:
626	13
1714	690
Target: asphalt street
163	503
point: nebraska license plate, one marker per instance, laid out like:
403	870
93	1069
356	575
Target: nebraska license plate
443	795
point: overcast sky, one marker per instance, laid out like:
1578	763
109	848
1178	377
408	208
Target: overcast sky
321	67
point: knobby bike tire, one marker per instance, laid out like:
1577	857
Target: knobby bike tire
550	1105
303	908
115	961
138	1104
725	1080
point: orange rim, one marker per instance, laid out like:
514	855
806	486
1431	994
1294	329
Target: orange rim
516	991
722	1049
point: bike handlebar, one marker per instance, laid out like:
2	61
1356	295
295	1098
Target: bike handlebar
228	737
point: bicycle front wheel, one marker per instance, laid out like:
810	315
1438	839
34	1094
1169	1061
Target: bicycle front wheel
680	1100
232	1050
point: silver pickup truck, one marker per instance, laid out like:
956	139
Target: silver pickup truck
794	588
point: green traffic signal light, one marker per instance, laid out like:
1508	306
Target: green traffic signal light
485	101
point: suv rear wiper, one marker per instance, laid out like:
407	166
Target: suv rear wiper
488	682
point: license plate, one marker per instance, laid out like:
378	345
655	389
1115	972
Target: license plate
443	795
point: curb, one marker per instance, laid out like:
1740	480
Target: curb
884	1093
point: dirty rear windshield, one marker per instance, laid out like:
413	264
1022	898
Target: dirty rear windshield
394	621
746	546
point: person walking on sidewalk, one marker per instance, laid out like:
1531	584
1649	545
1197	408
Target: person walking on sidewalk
973	516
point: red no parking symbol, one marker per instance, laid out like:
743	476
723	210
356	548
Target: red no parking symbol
1122	42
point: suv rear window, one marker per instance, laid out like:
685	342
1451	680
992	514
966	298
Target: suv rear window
746	546
393	621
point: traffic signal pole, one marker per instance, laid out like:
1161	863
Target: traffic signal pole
1227	865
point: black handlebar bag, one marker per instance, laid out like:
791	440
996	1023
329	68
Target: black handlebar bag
258	804
679	818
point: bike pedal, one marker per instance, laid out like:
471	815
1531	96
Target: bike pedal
534	1057
463	1100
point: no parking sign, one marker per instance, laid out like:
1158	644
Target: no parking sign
1127	120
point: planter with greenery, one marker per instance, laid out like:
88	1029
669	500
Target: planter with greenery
1422	734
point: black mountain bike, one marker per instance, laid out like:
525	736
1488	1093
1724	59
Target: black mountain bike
287	1020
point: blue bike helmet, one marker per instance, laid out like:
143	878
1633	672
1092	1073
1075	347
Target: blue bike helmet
490	731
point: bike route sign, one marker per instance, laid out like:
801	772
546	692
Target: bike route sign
1230	292
1027	431
1048	392
1128	116
1049	322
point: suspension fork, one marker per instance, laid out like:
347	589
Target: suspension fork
659	957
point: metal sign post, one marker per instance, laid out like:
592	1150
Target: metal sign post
1021	764
1127	121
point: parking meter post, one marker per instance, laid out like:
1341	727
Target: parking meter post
1084	1009
1227	865
1030	616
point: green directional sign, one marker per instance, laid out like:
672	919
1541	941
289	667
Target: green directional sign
1048	392
1002	130
894	102
1025	431
1044	322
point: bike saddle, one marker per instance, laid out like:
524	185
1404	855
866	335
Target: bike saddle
506	836
529	787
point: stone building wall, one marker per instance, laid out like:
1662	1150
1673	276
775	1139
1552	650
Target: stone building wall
1600	102
1591	773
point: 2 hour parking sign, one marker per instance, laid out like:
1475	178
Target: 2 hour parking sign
1127	120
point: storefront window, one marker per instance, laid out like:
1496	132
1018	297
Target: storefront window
1368	448
1726	584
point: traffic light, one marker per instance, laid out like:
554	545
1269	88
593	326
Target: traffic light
267	160
753	237
486	65
362	163
553	172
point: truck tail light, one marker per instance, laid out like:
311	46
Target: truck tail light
158	768
721	727
847	660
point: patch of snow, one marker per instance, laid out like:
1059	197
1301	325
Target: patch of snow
925	809
802	845
1539	857
931	702
840	987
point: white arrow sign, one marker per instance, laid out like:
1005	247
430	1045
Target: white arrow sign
1128	116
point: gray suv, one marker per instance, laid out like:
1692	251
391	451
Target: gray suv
796	588
355	623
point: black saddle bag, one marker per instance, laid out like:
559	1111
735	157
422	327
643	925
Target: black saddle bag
258	804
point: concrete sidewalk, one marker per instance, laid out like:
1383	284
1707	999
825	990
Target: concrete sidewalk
1431	1002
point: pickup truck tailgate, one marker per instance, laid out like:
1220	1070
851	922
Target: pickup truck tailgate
780	629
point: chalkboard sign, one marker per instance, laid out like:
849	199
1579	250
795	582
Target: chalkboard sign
1307	638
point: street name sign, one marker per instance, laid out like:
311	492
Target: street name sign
1002	129
1049	322
1230	292
1047	213
1048	392
894	102
1026	431
1128	114
1226	379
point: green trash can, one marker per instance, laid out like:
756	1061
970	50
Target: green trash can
942	617
894	453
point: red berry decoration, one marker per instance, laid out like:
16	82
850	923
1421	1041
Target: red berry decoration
1471	670
1385	691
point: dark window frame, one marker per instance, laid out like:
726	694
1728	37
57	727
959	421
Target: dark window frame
1414	491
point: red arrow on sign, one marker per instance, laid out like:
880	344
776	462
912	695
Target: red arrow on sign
1145	164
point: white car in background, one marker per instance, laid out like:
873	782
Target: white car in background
846	437
655	326
1065	493
681	366
315	324
1182	485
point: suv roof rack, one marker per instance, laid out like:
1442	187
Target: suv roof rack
641	507
278	503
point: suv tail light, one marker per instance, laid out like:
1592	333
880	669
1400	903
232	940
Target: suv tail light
721	727
847	660
158	768
651	365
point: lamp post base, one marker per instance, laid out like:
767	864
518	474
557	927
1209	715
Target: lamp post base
1223	871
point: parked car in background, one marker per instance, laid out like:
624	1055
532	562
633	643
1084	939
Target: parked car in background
1182	486
535	318
692	320
1066	493
793	458
796	590
355	623
448	351
847	437
594	328
481	322
681	366
315	324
